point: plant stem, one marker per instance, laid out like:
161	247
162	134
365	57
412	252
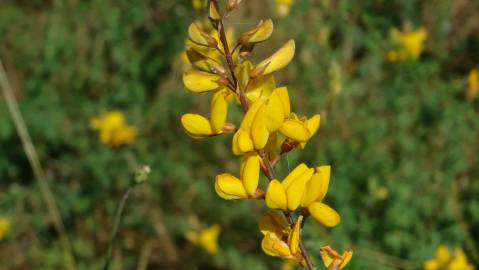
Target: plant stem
268	168
119	212
307	258
38	171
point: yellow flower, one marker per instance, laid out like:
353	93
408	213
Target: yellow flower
410	44
333	260
279	240
460	261
229	187
4	227
304	187
265	117
112	129
472	84
283	7
198	126
200	81
445	259
252	133
206	239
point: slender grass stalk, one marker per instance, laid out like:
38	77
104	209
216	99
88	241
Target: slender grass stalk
140	177
116	224
38	171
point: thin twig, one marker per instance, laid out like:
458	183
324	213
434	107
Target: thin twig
38	171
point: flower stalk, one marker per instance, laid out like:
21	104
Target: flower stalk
140	177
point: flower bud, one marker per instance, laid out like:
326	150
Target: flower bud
142	173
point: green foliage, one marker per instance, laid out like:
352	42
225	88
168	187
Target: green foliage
401	137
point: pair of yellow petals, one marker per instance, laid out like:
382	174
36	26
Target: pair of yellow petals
304	187
264	118
230	187
198	126
282	241
279	239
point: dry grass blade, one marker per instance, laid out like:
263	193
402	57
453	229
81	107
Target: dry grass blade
38	172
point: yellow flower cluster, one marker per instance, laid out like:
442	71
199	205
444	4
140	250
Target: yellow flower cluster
113	130
206	238
409	44
4	227
445	259
472	84
268	130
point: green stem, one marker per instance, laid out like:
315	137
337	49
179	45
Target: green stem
118	215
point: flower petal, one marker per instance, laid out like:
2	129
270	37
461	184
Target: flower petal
250	115
325	175
295	130
219	111
245	143
259	132
312	191
229	187
317	187
199	81
324	214
208	238
258	34
196	125
276	196
278	60
250	173
295	191
284	96
300	169
274	112
198	36
274	246
293	238
312	124
273	222
261	87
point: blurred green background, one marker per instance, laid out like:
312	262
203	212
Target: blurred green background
402	138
